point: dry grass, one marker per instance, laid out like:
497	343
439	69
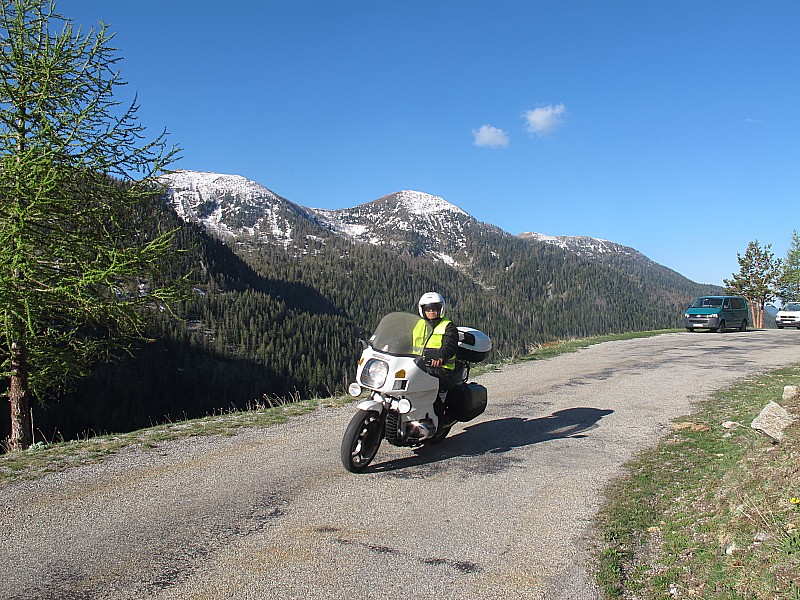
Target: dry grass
41	459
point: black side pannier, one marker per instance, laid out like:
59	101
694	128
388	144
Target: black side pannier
467	400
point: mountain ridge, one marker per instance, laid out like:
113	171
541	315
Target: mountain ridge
409	221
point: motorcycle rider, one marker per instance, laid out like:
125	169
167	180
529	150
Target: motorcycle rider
436	338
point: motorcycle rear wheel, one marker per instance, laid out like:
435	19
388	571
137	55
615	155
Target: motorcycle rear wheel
361	440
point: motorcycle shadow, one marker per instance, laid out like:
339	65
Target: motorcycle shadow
501	436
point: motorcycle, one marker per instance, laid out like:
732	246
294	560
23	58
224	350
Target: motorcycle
405	406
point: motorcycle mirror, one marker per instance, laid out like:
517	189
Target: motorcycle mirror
361	336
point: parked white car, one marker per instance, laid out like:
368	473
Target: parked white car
788	316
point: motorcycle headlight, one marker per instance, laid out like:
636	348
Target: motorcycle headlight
374	373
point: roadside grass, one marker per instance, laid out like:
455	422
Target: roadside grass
714	510
43	458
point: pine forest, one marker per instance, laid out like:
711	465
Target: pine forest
273	321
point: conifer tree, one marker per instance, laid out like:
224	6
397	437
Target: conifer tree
79	259
757	279
789	281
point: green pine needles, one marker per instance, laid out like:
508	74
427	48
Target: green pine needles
80	261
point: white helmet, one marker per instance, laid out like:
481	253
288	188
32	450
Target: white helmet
431	298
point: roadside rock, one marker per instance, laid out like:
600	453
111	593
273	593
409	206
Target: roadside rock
772	421
790	392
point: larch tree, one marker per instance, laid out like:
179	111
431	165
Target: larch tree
81	262
757	279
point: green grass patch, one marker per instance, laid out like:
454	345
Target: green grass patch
714	510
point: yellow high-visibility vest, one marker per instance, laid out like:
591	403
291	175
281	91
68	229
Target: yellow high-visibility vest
423	338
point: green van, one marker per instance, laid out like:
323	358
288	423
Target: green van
717	313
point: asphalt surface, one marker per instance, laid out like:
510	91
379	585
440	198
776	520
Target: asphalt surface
501	509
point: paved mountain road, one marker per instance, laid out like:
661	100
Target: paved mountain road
501	509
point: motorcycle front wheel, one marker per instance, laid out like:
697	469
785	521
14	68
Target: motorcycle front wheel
361	440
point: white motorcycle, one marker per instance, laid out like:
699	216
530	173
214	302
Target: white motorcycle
404	404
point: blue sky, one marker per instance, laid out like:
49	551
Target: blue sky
672	127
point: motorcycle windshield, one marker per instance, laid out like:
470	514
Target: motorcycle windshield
395	334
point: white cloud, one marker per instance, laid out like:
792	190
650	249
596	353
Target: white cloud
544	119
490	137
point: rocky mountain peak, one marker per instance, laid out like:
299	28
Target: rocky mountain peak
232	206
419	204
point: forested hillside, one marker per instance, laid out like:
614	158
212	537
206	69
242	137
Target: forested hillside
275	319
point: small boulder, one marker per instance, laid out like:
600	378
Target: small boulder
772	421
790	392
761	537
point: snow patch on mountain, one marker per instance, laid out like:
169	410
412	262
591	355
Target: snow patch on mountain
349	229
445	258
584	245
422	204
402	211
231	205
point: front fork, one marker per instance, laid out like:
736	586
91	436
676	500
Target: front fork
396	430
